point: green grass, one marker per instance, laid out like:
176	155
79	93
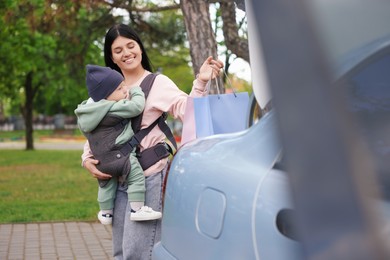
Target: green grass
45	185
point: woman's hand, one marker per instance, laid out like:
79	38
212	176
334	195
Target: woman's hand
210	66
90	165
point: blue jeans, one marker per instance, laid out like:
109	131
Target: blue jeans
135	239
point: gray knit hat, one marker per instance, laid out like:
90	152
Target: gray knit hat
102	81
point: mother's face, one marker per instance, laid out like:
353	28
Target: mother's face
126	53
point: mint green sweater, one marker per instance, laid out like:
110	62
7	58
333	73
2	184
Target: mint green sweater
89	113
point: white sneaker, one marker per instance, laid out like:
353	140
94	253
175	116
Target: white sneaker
105	218
145	213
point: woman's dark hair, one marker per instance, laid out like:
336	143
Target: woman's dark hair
127	32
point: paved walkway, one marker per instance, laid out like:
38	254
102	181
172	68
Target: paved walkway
68	240
54	145
60	241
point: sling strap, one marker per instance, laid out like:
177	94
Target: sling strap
139	134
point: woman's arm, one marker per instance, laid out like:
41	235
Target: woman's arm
167	97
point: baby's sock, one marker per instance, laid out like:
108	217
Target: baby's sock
136	205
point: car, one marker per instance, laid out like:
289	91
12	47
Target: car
231	196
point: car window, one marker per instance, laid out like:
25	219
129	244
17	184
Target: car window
368	96
347	25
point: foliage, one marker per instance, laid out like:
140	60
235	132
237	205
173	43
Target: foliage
50	42
175	66
238	84
54	40
46	185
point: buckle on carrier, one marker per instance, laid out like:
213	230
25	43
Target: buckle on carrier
169	148
129	146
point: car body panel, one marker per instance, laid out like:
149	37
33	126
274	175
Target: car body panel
214	212
274	197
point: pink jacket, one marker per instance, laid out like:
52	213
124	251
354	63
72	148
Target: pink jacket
164	96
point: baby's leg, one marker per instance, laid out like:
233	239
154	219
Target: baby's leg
136	185
136	194
106	198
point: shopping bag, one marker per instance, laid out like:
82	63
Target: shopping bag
215	114
220	113
188	131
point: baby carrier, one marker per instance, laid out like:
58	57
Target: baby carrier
113	158
151	155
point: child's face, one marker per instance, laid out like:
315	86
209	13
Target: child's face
119	93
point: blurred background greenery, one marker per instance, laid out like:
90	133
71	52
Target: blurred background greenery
45	46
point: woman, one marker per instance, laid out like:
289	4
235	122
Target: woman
124	52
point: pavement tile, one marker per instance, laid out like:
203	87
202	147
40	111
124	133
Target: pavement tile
60	241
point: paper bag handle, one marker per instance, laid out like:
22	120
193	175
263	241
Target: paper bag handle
216	81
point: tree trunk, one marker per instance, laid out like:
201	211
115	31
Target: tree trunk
28	111
234	43
199	33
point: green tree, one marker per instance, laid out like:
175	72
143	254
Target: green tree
44	45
